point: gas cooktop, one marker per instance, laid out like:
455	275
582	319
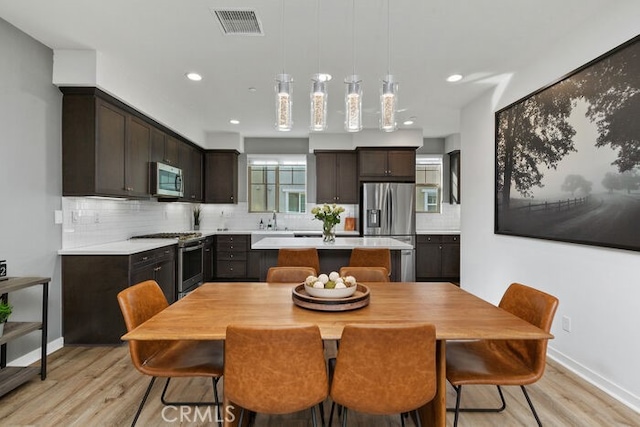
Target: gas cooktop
179	236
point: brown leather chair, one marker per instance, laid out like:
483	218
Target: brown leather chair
167	358
371	257
275	369
289	274
384	369
299	257
366	274
504	362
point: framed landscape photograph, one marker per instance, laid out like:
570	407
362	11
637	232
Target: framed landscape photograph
568	156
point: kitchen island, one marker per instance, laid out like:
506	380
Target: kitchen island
332	255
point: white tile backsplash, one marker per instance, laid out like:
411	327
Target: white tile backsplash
447	219
92	221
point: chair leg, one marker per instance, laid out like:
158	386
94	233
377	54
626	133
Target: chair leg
166	402
144	399
321	406
417	418
344	416
314	421
216	399
533	410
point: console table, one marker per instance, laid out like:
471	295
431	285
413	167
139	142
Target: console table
12	377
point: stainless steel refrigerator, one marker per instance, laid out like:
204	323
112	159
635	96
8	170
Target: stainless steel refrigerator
388	209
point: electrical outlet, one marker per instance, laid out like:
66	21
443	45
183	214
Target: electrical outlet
96	218
75	216
566	323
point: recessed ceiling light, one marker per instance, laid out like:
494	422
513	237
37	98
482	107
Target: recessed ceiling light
252	89
234	121
194	77
407	122
454	78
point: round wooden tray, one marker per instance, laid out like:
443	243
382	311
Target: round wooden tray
359	299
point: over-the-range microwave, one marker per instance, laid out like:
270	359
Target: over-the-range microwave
166	180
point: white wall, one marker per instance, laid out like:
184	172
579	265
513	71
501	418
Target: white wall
31	177
598	288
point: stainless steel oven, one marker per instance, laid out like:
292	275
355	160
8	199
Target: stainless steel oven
190	265
190	259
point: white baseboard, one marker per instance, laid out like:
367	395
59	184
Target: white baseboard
623	396
34	356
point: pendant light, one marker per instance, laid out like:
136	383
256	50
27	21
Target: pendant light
319	92
353	96
389	90
284	91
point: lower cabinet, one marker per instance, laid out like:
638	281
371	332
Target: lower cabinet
209	267
90	285
438	257
231	256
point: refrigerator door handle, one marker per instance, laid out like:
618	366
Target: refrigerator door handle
390	210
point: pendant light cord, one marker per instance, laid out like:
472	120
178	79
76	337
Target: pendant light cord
353	34
388	39
318	31
284	56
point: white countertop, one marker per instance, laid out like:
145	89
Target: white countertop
438	232
340	243
125	247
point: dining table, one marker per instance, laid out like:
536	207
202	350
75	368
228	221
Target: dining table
205	313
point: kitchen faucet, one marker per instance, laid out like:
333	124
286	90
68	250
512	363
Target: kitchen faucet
275	221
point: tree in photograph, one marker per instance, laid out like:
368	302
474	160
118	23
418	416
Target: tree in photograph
630	180
530	133
611	181
612	89
573	183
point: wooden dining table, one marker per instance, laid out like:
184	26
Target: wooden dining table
457	315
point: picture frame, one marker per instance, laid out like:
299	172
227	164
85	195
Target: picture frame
567	156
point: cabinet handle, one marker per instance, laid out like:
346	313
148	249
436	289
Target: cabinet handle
207	250
157	269
230	255
144	258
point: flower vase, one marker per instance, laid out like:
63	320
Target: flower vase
329	233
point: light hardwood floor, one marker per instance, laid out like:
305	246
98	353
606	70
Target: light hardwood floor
97	386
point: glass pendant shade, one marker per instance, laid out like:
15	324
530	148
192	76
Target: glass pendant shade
319	95
284	102
388	104
353	104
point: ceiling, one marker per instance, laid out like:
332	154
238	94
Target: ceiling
157	41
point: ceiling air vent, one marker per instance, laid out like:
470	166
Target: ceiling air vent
241	22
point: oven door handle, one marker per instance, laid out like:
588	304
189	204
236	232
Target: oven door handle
192	248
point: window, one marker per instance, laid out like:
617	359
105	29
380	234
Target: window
428	184
277	184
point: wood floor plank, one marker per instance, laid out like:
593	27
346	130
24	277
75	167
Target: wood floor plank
98	386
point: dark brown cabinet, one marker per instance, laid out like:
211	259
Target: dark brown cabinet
209	259
383	164
105	149
221	176
437	257
454	177
336	177
90	285
191	165
231	256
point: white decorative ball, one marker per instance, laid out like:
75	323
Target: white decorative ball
310	279
318	285
323	278
333	276
340	285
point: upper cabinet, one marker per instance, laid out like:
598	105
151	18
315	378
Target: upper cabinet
107	147
387	164
221	176
191	164
336	177
105	150
454	177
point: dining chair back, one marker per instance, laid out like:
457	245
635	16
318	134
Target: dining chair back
289	274
385	369
366	274
371	257
504	362
168	359
275	369
299	257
